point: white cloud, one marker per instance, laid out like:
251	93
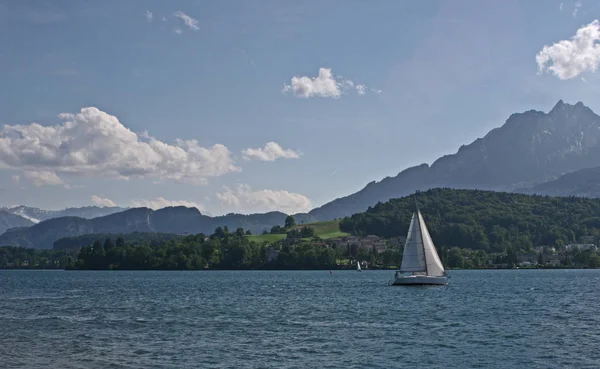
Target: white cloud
43	178
161	202
103	201
177	30
16	179
271	152
361	89
164	19
576	9
243	199
567	59
560	7
149	16
96	144
190	22
324	85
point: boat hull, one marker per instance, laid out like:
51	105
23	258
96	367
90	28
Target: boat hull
419	280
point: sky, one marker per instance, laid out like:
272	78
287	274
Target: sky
236	106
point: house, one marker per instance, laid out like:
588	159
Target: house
379	246
587	246
587	239
527	259
272	254
352	240
397	242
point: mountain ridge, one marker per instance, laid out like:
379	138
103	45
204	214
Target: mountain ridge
530	148
177	219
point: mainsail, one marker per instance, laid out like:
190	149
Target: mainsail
413	258
420	254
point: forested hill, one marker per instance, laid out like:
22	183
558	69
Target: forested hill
484	220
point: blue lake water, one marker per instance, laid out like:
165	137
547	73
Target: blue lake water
298	319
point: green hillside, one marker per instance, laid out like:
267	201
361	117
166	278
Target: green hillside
484	220
324	230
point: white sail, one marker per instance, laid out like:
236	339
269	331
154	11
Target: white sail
432	259
413	258
358	265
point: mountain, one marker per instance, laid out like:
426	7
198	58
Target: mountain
530	148
9	220
177	220
37	215
581	183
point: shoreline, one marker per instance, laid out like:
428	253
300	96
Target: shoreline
299	269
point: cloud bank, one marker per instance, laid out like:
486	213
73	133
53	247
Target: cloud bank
94	143
161	202
244	199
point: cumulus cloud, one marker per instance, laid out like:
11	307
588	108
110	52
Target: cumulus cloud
149	16
95	143
271	152
567	59
103	201
43	178
190	22
324	85
244	199
161	202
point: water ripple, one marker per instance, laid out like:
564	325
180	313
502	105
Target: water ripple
483	319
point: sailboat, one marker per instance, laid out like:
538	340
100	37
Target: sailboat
421	264
358	266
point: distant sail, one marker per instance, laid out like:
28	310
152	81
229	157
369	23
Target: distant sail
358	266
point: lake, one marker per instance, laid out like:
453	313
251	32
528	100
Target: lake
298	319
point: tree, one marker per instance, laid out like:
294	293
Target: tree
108	244
289	222
594	261
277	229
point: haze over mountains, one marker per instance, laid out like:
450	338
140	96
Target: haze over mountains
37	215
554	153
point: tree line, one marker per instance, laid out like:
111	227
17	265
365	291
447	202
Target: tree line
484	220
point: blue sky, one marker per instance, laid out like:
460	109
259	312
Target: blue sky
402	83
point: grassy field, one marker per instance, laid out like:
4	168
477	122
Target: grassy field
325	230
260	238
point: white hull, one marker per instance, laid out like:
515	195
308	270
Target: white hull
419	280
